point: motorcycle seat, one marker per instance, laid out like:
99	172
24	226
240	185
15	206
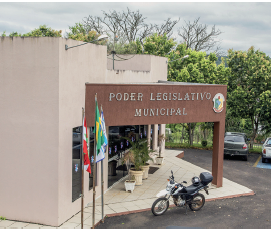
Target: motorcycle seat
190	189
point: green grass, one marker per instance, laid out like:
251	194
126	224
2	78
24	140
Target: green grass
170	145
256	150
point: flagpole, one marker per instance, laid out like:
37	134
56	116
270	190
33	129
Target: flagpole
102	186
82	172
94	172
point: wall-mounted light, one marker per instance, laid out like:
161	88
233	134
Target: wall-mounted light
103	36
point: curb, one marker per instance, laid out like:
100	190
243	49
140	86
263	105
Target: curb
173	205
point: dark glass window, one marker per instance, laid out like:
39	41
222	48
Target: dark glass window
76	162
117	147
91	156
234	138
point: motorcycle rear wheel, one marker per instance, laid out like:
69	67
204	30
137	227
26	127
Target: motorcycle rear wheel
197	202
160	206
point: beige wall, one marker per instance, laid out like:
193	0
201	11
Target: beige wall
42	94
77	66
133	62
29	106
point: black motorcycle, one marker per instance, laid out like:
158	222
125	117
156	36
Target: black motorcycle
182	196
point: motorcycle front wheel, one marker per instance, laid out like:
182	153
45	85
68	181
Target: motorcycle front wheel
160	206
197	202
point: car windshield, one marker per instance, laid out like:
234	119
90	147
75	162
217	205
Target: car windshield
234	138
268	141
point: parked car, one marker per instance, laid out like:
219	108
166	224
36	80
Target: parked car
266	150
235	144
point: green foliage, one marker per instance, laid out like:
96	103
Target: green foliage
15	34
3	34
79	33
42	31
123	47
171	145
204	143
249	87
235	124
138	154
158	45
2	218
197	68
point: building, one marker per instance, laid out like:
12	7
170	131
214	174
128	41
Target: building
42	94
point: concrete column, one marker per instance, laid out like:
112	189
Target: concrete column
148	135
218	153
155	137
162	131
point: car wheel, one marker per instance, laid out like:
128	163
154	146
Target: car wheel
263	160
245	158
225	156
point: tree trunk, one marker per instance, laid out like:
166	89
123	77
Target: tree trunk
255	129
191	132
190	135
182	136
204	134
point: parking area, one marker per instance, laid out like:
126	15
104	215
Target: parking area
260	164
245	211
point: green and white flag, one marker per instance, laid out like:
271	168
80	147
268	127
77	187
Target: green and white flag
99	136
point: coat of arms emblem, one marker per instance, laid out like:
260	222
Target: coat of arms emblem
218	102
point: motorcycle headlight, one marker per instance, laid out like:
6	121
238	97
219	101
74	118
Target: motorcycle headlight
168	187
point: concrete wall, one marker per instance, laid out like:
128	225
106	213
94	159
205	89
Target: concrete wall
42	94
139	69
29	143
76	67
133	62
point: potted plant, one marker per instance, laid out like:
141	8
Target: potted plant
145	156
135	153
130	183
159	159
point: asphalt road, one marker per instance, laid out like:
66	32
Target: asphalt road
240	212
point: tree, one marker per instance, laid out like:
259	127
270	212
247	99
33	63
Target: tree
197	37
158	45
42	31
128	24
197	68
79	33
249	87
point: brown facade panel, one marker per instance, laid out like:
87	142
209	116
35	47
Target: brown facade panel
143	104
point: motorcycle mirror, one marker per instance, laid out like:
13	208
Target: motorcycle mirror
172	172
185	182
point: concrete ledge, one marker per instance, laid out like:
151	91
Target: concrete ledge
181	155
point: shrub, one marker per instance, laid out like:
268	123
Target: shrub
204	143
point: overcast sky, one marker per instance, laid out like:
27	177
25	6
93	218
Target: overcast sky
243	24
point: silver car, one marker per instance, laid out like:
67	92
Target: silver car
235	144
266	150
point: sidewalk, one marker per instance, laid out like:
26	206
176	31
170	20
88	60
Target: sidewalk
118	201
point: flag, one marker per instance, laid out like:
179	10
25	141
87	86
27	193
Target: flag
99	136
87	165
101	154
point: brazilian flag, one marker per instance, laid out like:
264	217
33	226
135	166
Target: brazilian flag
99	136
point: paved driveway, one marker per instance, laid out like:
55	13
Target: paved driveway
246	212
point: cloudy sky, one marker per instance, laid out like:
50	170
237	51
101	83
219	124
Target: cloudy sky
243	24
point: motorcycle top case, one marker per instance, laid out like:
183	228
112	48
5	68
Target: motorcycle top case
206	178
